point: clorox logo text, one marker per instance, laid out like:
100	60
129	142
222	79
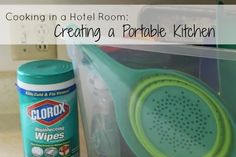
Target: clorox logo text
48	112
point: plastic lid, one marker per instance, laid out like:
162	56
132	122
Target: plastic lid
45	72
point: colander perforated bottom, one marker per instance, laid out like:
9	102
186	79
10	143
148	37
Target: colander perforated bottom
172	116
180	121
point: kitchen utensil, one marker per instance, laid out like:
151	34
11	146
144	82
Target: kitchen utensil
134	94
178	113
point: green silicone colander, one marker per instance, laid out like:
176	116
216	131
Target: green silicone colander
187	121
164	113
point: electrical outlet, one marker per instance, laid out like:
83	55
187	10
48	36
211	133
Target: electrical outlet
37	31
32	52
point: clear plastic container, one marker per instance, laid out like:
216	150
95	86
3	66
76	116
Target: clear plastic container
199	122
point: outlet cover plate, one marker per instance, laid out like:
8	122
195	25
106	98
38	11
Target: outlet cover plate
22	33
33	52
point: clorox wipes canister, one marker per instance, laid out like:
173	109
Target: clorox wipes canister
48	109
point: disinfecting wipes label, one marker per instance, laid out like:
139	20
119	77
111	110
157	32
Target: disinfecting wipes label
49	120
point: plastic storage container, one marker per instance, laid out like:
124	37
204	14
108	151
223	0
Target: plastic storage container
144	103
